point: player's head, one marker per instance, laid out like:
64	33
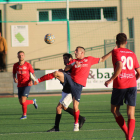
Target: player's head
67	58
79	52
121	39
21	55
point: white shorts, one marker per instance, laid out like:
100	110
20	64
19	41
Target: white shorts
66	99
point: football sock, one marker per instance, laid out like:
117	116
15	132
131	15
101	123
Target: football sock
76	116
121	122
46	77
28	102
57	120
131	127
70	111
24	106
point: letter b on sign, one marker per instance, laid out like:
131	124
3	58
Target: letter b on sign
99	75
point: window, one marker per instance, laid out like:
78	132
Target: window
85	14
77	14
43	16
110	13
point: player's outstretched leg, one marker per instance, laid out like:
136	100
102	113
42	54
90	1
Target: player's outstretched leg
41	79
35	80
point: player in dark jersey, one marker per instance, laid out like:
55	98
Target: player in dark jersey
80	68
65	100
22	69
125	64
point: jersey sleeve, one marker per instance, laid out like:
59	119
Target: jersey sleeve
116	56
136	65
94	60
14	69
30	68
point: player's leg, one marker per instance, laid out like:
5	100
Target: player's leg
131	121
57	118
130	100
117	98
76	114
119	118
66	102
57	74
23	100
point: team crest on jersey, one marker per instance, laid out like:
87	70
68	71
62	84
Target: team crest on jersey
85	60
24	67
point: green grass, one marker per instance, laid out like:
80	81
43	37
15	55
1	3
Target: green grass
100	123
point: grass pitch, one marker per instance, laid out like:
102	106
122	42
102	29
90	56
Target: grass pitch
100	123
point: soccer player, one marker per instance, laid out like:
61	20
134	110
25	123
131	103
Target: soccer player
24	83
80	68
125	64
65	100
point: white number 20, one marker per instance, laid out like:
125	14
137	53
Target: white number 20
127	62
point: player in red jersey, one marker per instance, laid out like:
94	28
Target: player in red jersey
24	83
125	64
80	68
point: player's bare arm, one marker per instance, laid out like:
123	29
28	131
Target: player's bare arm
116	73
15	79
68	67
138	73
102	59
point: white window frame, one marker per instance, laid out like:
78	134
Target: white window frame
76	21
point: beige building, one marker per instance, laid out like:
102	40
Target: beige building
91	22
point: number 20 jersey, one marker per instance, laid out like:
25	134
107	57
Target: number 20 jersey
126	78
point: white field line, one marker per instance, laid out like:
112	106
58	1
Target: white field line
63	131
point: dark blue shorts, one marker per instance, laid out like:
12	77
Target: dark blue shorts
23	91
127	96
76	88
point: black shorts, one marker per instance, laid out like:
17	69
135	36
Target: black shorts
76	88
127	95
23	91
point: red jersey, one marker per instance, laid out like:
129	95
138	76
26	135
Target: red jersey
126	78
80	74
23	73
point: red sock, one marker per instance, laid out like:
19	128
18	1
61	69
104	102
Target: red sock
24	106
121	122
76	116
131	127
28	102
46	77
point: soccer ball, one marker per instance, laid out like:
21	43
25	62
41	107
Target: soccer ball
49	38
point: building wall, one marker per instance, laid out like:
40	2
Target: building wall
86	33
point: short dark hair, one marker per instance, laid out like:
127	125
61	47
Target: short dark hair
121	38
68	55
20	52
81	47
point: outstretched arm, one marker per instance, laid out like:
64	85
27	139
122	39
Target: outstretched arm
102	59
